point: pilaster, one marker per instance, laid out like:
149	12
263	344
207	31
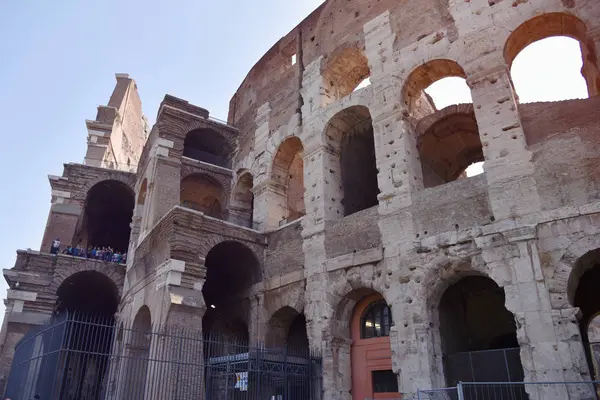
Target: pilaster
508	162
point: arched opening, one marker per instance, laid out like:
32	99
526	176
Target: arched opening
478	334
287	328
371	355
552	58
243	200
350	134
143	191
89	300
209	146
138	354
107	218
344	72
231	269
88	292
288	176
449	146
433	86
202	193
583	285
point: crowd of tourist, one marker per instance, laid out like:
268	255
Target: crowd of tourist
96	253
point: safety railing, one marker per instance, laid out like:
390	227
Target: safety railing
583	390
77	357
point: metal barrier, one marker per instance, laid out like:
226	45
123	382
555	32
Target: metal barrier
503	365
515	391
78	357
438	394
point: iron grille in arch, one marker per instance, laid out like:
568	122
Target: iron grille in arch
83	357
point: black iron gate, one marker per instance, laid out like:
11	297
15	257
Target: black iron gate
80	357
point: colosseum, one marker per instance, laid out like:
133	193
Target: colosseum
332	220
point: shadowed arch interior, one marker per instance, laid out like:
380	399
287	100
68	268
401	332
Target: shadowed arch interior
473	320
449	146
582	289
287	327
108	213
243	199
344	72
350	133
89	292
209	146
202	193
231	268
288	174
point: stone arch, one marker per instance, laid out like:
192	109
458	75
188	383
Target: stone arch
89	292
114	272
565	275
141	200
242	203
116	176
475	328
343	71
349	135
209	146
441	277
138	354
231	267
448	142
287	328
203	193
556	24
418	103
287	174
107	215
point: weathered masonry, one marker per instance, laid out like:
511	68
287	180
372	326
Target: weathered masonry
339	219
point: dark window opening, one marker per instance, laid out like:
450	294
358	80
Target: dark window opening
384	381
208	146
108	213
376	320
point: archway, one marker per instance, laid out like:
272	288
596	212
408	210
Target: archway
108	212
448	143
209	146
288	176
243	200
202	193
344	72
426	88
528	39
478	334
231	269
287	328
350	134
583	293
88	300
371	354
138	355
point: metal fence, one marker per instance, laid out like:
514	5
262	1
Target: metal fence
502	365
515	391
83	357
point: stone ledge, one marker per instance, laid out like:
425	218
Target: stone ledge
355	259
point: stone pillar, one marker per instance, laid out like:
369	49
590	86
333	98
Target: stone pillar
62	220
591	64
164	189
258	319
180	344
508	162
269	205
551	348
16	324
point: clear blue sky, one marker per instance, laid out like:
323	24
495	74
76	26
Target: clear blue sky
58	60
